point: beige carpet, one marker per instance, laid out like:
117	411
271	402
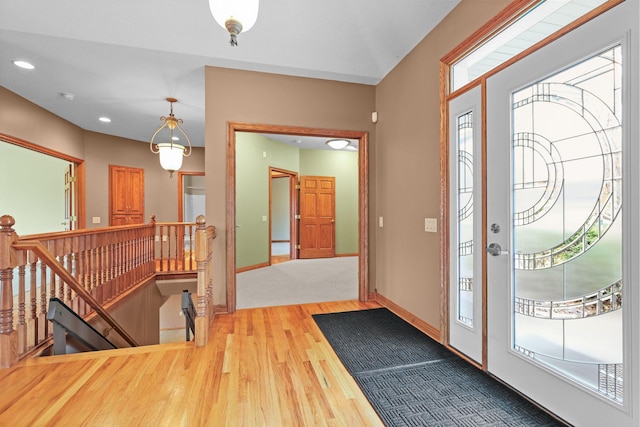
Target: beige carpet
298	282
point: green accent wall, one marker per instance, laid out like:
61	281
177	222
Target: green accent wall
254	155
343	165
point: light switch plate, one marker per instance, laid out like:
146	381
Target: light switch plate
431	225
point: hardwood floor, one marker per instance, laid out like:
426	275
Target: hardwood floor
263	367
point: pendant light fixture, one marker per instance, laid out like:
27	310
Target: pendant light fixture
170	152
235	16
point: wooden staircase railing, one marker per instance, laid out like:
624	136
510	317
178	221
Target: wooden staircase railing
87	269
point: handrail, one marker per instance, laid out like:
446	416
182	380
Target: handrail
71	281
106	263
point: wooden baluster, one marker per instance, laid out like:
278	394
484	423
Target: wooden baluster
8	261
68	292
202	312
161	248
111	265
61	284
22	322
176	257
42	314
33	296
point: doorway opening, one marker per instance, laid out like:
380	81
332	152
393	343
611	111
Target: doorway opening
283	203
53	199
362	173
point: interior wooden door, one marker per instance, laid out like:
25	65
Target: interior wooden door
126	195
317	217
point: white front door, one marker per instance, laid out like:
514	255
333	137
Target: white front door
562	184
465	224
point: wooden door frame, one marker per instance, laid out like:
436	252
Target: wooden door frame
181	229
293	208
363	193
181	176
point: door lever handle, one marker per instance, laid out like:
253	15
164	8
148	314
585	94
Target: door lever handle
494	249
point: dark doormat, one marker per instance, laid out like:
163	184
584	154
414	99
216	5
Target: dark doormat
412	380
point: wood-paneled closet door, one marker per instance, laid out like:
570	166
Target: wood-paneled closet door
126	195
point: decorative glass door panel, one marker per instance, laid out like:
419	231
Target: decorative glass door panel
465	275
464	139
567	242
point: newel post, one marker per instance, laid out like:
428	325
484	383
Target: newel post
202	306
8	261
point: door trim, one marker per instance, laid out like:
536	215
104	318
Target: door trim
181	176
293	209
363	192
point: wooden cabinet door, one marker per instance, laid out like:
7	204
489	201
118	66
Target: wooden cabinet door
317	217
126	195
136	192
118	191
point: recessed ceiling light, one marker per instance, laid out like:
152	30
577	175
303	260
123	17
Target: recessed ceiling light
105	119
23	64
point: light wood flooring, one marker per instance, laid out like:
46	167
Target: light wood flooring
262	367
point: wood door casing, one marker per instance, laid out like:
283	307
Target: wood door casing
126	195
317	217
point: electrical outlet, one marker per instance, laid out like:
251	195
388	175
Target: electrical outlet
95	220
380	222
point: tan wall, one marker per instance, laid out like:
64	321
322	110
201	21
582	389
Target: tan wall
244	96
160	191
407	153
25	120
139	316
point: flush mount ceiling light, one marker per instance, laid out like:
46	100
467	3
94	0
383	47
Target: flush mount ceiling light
235	16
338	144
171	154
23	64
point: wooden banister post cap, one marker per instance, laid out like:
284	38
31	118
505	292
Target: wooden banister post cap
153	219
6	223
201	220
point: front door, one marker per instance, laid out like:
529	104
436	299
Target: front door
562	186
317	217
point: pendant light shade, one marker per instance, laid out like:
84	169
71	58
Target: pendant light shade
235	16
170	156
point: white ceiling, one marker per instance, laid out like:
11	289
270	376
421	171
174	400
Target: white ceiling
122	58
